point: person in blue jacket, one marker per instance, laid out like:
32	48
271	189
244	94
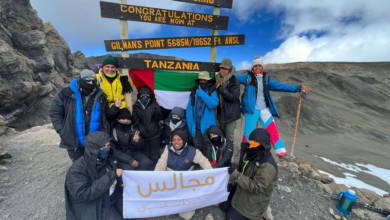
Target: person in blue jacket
258	106
200	112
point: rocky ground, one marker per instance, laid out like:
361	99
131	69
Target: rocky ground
32	184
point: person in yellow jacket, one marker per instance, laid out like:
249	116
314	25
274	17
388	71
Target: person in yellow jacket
113	84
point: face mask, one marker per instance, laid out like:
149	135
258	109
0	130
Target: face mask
87	88
144	100
103	154
251	153
203	86
216	141
175	120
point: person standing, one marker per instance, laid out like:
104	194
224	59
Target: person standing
128	145
200	112
113	84
258	106
146	118
78	110
92	183
229	109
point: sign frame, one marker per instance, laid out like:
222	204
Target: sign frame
166	64
216	3
169	17
173	42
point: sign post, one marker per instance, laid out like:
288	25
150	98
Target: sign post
174	42
214	32
162	16
124	32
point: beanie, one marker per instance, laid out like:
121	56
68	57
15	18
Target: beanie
256	61
86	73
109	60
124	114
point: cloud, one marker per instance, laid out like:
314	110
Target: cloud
244	65
80	23
327	30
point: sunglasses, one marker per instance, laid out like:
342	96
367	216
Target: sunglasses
88	79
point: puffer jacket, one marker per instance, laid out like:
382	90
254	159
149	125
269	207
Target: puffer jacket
87	186
249	97
62	112
208	119
167	131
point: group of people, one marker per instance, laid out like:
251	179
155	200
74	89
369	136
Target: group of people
104	134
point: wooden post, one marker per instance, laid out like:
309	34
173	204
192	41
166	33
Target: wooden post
213	49
296	123
124	34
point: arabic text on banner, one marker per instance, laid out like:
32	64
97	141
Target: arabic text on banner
158	193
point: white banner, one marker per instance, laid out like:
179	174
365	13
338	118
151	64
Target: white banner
157	193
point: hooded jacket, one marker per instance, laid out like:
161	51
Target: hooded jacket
223	154
256	179
167	131
124	146
248	100
86	184
146	118
65	115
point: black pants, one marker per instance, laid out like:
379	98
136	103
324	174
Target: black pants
144	163
75	153
233	214
152	148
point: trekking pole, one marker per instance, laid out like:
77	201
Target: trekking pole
296	122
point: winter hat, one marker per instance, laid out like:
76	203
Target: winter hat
124	114
182	134
87	73
226	63
96	68
204	75
109	60
256	61
260	137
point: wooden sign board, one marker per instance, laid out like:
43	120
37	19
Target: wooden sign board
217	3
161	64
162	16
174	42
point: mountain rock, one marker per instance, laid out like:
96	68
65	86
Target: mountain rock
36	62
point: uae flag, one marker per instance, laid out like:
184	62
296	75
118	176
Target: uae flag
171	89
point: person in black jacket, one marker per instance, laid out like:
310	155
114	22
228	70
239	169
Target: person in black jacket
229	108
78	110
128	144
92	183
146	119
218	150
175	121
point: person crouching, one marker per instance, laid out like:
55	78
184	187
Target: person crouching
128	144
92	184
181	156
255	179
